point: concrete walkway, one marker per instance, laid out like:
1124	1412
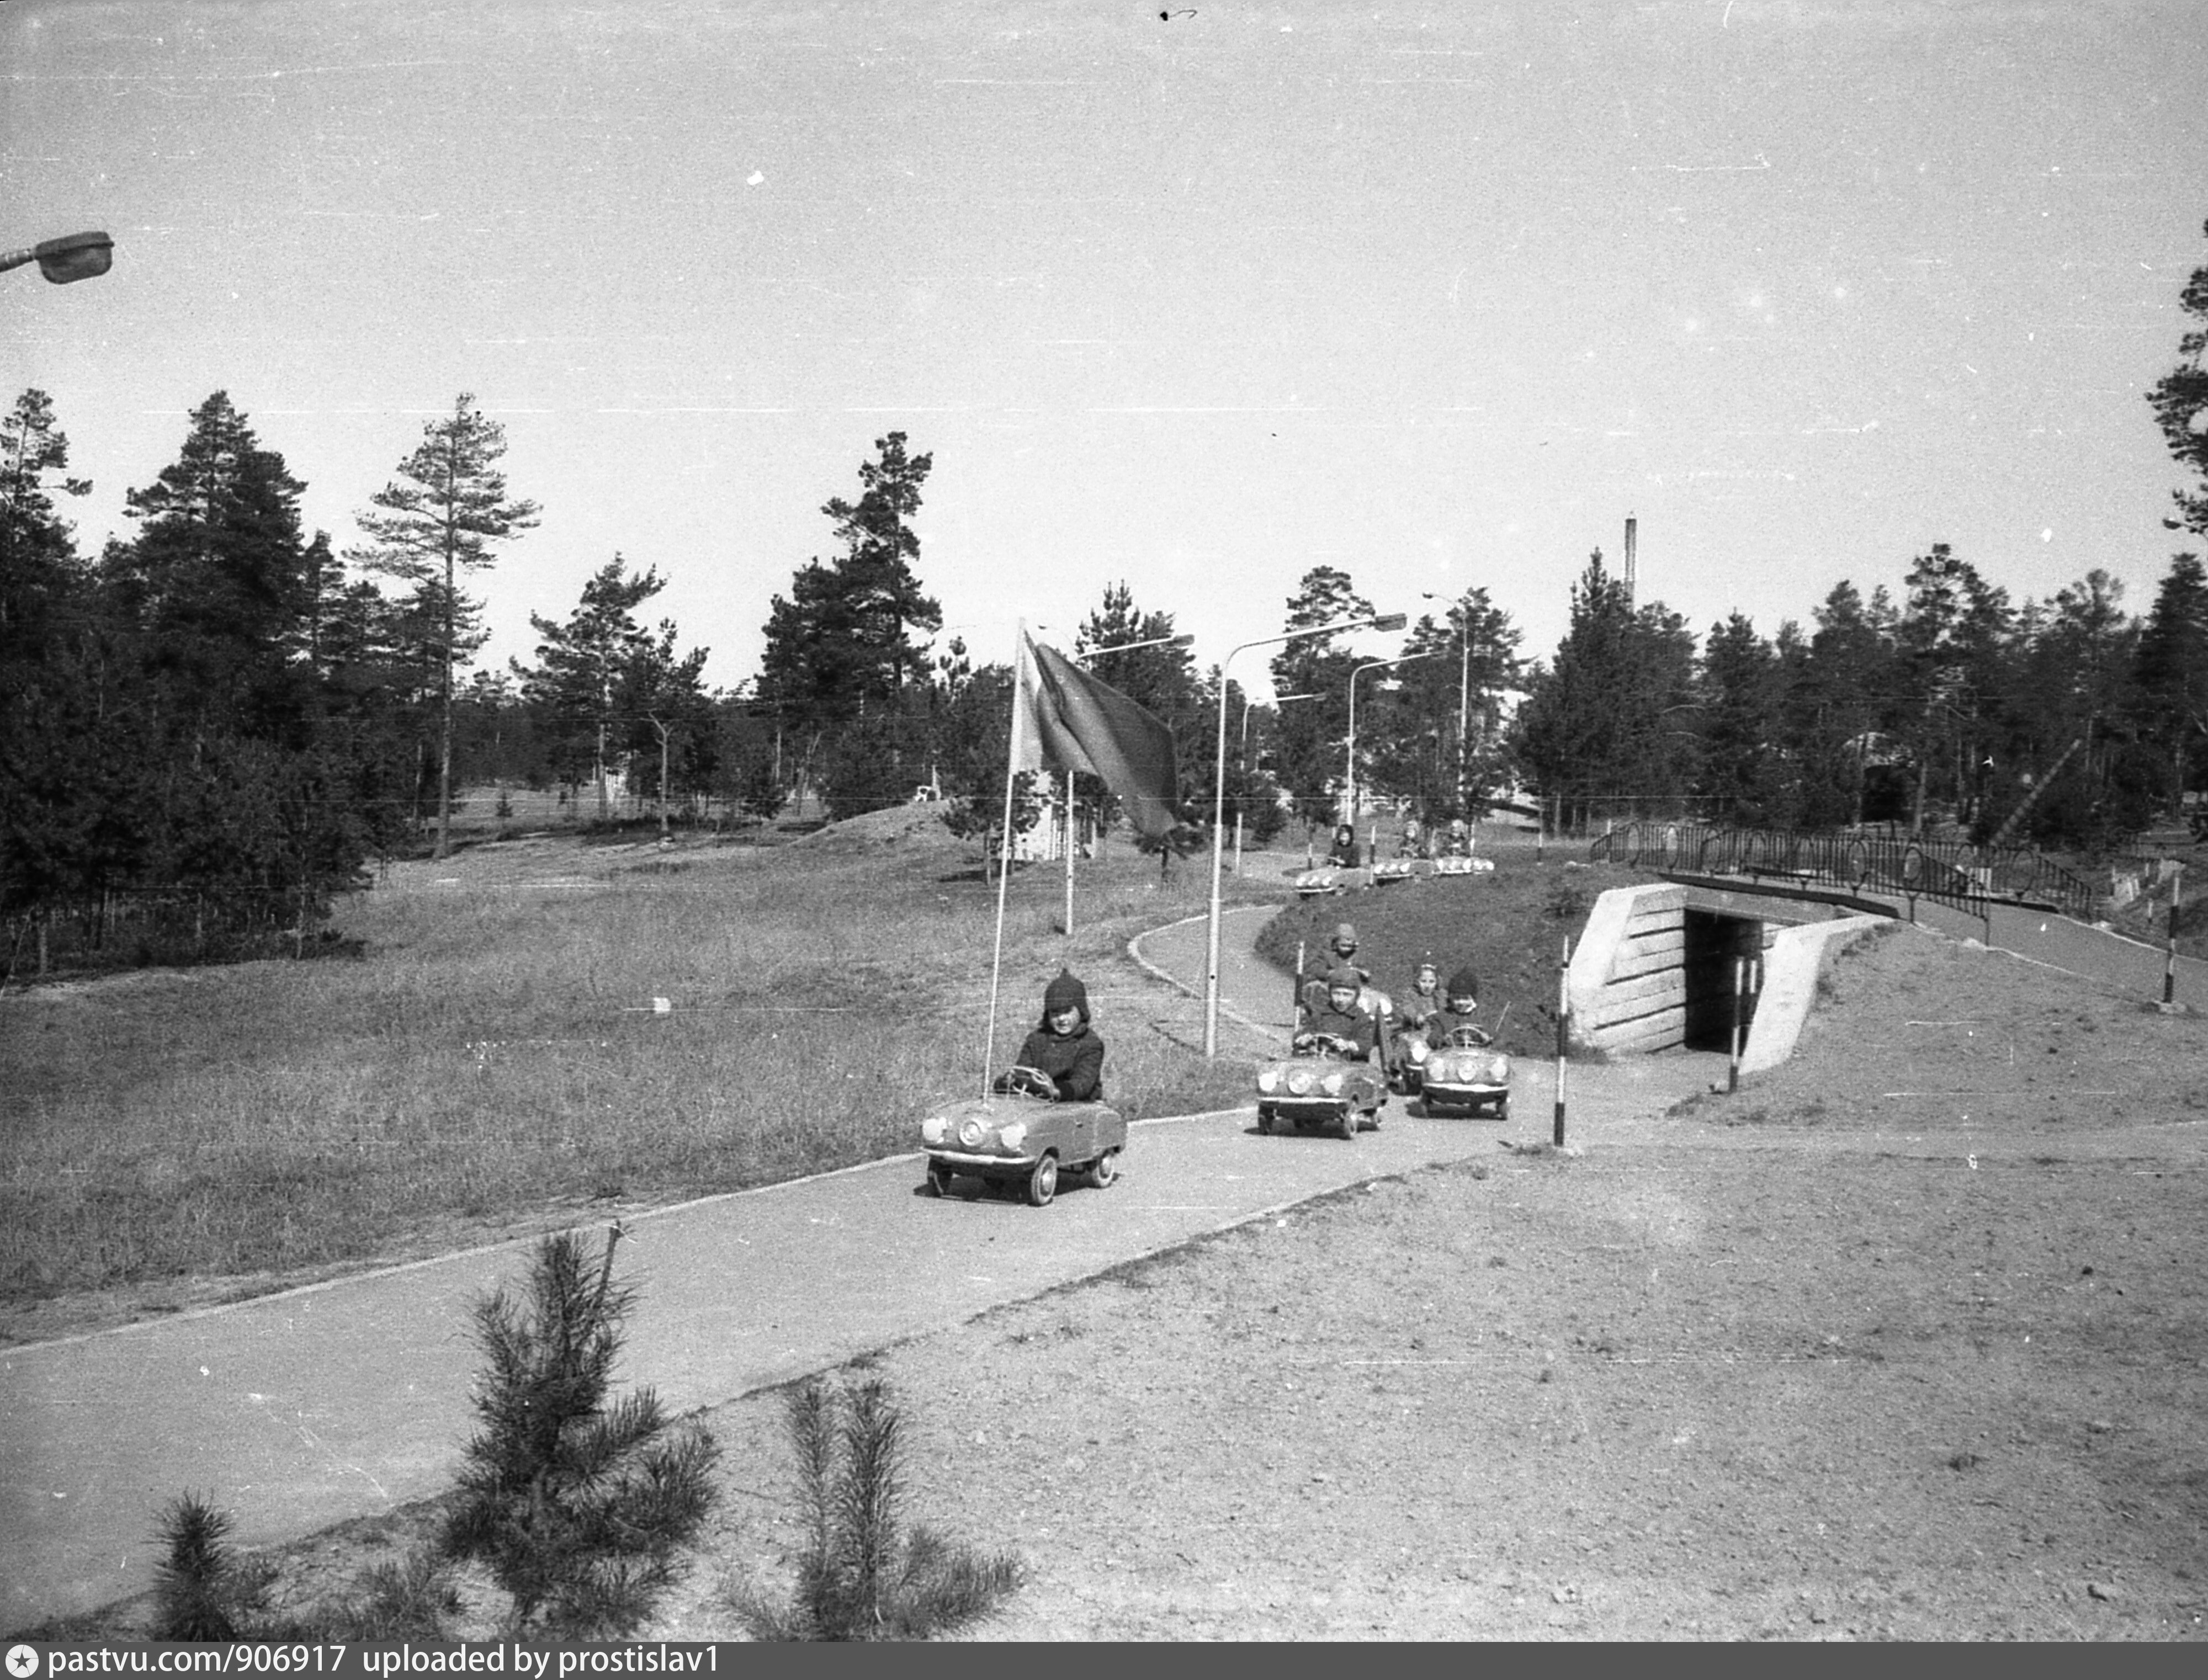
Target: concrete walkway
300	1410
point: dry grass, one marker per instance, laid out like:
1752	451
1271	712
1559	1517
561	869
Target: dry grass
495	1057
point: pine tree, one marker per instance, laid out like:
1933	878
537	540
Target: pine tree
840	645
2170	675
2180	401
435	527
1308	741
863	1574
214	587
1601	727
584	669
579	1504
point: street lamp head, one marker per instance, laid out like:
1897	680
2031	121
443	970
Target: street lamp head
74	256
1392	622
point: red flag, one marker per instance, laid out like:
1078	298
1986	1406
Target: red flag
1083	724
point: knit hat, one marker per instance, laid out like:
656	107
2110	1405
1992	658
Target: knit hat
1343	976
1346	934
1464	983
1065	993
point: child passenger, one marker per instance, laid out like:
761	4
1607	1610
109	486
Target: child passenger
1064	1046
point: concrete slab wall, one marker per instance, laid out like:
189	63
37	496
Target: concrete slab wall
1653	966
1627	982
1791	964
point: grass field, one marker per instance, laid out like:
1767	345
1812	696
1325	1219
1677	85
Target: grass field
494	1057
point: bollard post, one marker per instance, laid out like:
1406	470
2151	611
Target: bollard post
2170	952
1564	1024
1296	991
1739	989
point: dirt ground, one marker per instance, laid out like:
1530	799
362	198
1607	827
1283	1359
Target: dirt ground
1904	1340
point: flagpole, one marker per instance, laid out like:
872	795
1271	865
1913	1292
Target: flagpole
1004	853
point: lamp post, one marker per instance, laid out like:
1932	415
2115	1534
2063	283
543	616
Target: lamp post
1116	647
74	256
1242	763
1389	621
1349	778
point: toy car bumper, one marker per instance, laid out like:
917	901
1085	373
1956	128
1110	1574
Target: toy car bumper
977	1164
1305	1109
1465	1098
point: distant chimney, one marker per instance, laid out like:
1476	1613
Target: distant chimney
1630	525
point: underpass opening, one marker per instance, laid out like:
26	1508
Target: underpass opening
1718	953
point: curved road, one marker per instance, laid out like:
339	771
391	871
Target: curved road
300	1410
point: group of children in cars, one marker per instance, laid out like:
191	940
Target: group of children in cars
1069	1052
1331	997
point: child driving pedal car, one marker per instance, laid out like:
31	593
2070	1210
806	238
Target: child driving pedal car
1064	1045
1339	1016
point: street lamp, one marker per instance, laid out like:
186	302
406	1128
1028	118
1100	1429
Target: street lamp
1242	763
1349	779
1390	622
74	256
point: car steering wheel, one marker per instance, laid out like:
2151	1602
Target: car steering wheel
1025	1080
1325	1044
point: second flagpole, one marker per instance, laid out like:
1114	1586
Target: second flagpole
1005	848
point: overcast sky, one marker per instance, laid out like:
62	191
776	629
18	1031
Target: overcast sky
1437	295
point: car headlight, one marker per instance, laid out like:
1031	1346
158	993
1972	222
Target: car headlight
971	1131
1421	1050
934	1130
1269	1080
1300	1082
1013	1136
1331	1084
1499	1071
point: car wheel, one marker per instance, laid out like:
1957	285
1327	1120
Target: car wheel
1503	1109
1104	1171
1349	1124
1042	1183
938	1181
1264	1118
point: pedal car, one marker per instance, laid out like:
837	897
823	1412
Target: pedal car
1464	865
1312	883
1466	1076
1407	1078
1320	1083
1023	1136
1394	869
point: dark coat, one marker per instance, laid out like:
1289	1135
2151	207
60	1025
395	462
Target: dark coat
1353	1024
1075	1063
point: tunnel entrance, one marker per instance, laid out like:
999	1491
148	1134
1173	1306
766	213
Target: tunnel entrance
1714	944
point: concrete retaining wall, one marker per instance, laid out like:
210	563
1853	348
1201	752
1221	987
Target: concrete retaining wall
1653	969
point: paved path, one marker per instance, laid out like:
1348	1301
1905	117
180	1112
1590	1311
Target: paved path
300	1410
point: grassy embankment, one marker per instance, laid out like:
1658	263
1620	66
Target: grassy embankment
1509	925
494	1060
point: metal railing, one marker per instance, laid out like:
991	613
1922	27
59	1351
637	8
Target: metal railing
1944	871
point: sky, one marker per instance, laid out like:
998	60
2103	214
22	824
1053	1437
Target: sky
1435	295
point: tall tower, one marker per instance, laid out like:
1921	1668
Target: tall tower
1630	525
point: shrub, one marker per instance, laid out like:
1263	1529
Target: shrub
413	1599
204	1591
859	1577
579	1507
